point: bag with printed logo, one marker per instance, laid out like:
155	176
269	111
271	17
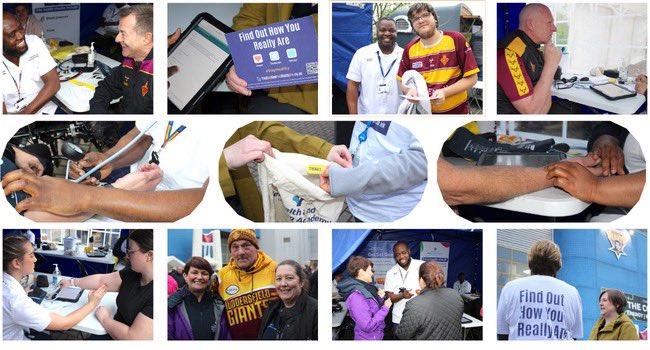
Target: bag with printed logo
291	194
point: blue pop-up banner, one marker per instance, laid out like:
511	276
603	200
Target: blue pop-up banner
278	54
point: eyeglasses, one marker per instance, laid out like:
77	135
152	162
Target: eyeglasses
130	252
422	16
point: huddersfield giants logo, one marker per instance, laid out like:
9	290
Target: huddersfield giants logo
248	307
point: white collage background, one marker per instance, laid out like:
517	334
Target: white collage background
430	213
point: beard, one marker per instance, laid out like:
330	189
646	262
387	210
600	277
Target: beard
14	52
408	262
426	34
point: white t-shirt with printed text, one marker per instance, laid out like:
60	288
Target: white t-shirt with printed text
539	308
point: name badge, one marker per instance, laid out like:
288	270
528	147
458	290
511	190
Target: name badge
383	88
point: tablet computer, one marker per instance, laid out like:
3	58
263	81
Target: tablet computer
612	91
202	57
71	294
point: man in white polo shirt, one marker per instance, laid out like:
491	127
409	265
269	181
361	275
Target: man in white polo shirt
28	73
374	67
402	280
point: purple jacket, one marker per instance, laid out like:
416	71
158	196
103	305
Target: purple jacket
368	316
178	324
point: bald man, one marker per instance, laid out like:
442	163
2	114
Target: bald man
525	72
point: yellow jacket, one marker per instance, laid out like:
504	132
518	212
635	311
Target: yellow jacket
239	182
252	15
247	295
621	329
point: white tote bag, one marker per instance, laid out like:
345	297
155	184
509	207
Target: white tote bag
290	194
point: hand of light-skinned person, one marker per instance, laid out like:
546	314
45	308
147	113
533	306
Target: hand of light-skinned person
575	179
607	148
641	84
413	92
388	303
95	296
381	293
438	97
325	180
145	179
90	160
171	40
407	294
552	55
340	155
54	195
101	313
63	283
246	150
237	84
28	162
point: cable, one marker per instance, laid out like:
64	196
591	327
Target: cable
117	154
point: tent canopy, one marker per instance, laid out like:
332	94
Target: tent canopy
465	255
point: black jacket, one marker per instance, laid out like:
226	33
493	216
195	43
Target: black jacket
302	322
133	81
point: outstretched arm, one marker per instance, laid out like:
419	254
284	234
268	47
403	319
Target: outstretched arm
387	175
65	198
472	185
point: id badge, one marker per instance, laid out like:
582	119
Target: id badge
20	104
383	88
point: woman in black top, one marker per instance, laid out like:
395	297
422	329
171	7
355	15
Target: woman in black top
134	316
295	315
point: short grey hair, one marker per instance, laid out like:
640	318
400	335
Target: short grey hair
143	17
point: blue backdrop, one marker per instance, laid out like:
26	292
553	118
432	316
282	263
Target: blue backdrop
351	30
589	266
465	255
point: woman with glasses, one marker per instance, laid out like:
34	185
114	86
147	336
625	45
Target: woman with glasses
134	317
365	302
434	314
20	312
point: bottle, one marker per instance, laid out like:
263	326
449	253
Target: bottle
91	56
56	276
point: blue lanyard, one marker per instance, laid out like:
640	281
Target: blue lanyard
381	68
363	136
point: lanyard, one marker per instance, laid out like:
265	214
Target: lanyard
403	277
20	78
363	136
381	68
169	135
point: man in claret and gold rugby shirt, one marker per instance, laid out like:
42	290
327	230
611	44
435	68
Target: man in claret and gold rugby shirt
444	59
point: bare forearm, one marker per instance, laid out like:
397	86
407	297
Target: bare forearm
117	330
161	206
48	91
461	85
62	323
472	185
540	103
134	154
620	191
352	96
